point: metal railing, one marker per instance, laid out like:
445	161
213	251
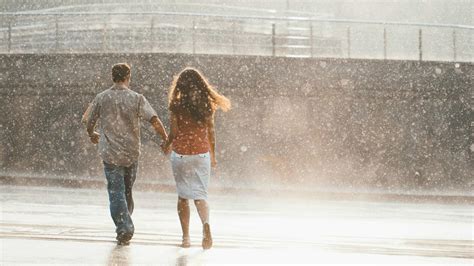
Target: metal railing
199	33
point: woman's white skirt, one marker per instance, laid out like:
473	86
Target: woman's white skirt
192	174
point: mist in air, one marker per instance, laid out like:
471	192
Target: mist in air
361	108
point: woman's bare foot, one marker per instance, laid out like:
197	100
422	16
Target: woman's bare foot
207	238
186	243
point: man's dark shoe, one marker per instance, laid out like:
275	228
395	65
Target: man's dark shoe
123	238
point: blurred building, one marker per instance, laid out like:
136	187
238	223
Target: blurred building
427	30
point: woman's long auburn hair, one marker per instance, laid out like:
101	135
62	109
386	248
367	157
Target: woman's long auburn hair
191	93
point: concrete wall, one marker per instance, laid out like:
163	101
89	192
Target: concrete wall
295	122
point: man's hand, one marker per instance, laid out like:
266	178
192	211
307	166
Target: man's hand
94	137
213	162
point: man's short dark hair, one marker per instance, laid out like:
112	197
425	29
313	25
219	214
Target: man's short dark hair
120	72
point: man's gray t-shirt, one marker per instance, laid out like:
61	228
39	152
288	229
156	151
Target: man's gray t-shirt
119	111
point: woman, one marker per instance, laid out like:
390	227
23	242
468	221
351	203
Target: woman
192	104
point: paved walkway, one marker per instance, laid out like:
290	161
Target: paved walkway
72	226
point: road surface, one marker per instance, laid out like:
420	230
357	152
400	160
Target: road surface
51	225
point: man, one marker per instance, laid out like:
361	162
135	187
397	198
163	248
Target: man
118	111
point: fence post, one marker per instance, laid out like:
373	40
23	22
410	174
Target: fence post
420	44
384	43
454	45
233	37
273	40
104	38
311	38
194	36
9	35
348	42
56	45
152	35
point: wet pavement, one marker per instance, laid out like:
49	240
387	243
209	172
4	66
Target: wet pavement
41	225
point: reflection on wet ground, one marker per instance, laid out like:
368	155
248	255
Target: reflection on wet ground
58	225
119	255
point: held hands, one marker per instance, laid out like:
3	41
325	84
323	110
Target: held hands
94	137
165	147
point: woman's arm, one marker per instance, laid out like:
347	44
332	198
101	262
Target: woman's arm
173	133
211	135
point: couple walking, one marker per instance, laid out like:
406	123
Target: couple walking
190	144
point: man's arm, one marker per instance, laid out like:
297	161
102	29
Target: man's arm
172	135
85	116
147	113
92	117
159	128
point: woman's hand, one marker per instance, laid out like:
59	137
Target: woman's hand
213	162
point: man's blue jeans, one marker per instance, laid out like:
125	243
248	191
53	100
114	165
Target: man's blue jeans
120	181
